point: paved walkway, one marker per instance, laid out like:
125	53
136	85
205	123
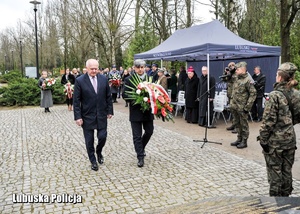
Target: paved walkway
43	154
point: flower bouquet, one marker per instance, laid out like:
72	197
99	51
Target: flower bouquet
68	90
150	95
115	80
49	82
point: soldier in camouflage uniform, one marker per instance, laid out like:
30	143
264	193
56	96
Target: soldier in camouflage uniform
277	136
242	98
229	77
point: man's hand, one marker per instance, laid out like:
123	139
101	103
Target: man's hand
79	122
263	144
109	116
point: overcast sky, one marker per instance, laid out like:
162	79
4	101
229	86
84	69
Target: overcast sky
13	10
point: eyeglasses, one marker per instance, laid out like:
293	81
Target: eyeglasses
94	69
139	66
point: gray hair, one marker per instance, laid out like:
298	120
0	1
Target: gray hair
139	62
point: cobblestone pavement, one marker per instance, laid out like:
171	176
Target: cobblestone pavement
44	153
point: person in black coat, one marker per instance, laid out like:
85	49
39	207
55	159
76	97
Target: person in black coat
204	95
259	84
67	77
124	76
182	78
92	104
191	103
139	120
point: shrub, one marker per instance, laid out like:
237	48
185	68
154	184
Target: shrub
11	76
24	92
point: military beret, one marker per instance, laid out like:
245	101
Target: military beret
148	66
156	65
241	65
288	67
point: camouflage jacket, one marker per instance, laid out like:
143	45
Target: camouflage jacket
230	85
277	128
243	93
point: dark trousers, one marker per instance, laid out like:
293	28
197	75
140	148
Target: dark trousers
69	101
114	96
257	109
140	140
89	142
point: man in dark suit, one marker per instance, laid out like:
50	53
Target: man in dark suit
92	106
259	84
139	120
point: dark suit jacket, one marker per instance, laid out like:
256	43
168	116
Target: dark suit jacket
92	108
260	83
135	112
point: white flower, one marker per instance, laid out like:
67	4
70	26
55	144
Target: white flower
145	99
138	91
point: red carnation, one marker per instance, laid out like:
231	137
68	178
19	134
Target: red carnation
163	112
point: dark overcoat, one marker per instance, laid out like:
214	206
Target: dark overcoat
203	94
191	87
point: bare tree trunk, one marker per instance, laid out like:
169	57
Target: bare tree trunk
232	16
287	15
188	13
137	14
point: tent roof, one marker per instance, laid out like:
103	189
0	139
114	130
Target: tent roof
213	38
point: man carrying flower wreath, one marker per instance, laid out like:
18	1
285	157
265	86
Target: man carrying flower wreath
139	118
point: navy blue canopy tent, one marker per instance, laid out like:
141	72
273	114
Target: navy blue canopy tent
213	38
213	45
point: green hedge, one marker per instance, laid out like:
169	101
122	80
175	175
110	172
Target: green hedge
25	92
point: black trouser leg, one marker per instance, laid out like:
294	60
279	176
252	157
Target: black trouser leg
89	143
148	128
101	135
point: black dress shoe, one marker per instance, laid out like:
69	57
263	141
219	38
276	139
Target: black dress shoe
94	166
140	163
100	159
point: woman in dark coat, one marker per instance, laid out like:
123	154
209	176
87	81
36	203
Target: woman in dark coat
203	96
191	105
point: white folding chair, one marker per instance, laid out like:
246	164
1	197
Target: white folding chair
180	103
218	108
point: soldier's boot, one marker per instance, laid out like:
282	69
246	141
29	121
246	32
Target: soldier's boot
230	128
237	142
242	145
